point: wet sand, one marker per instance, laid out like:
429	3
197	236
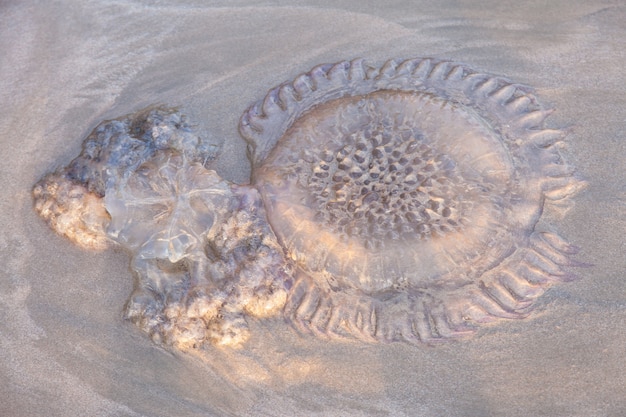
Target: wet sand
64	348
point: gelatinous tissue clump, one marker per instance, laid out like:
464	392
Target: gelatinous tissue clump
202	251
393	202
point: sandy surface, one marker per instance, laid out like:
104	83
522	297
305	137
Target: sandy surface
64	349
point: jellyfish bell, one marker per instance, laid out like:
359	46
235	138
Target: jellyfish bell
407	195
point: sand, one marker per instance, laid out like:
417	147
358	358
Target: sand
64	348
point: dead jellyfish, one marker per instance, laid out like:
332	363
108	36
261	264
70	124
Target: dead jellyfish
407	197
387	203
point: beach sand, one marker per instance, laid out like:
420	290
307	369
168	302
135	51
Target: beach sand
65	349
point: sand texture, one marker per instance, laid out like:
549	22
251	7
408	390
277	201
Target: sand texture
66	350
